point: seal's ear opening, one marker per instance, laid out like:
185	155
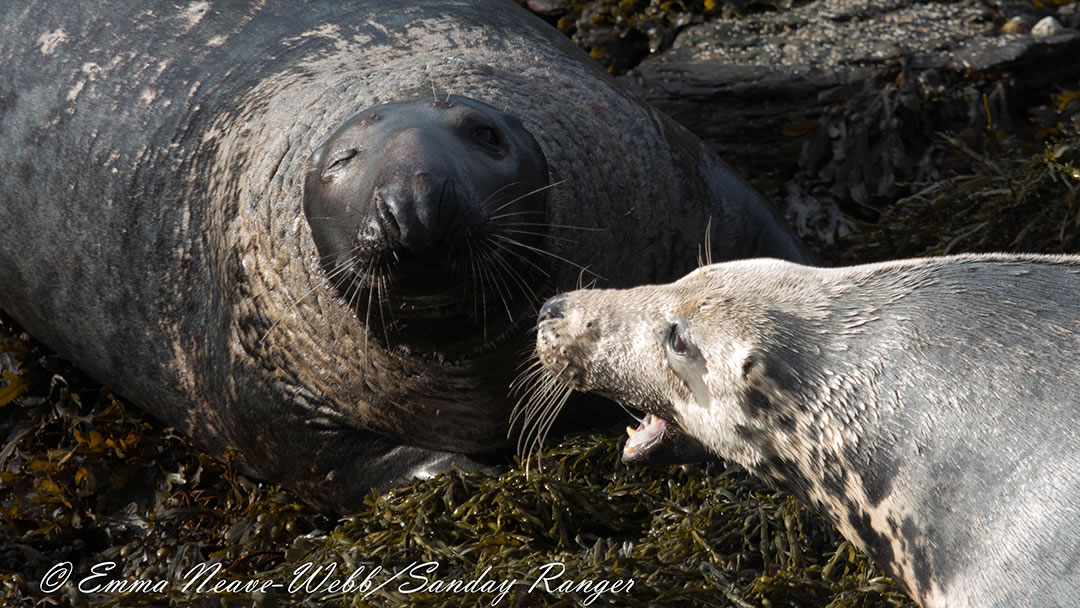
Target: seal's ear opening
753	367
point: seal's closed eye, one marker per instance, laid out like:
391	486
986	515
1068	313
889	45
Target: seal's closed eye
338	162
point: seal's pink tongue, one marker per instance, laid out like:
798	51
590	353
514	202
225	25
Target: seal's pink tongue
645	436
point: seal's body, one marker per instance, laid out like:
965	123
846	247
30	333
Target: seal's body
224	210
929	407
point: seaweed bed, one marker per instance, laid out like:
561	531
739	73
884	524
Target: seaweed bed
86	479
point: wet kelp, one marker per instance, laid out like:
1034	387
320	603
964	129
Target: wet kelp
1007	200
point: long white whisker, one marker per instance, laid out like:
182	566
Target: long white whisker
561	239
526	289
547	225
515	243
527	194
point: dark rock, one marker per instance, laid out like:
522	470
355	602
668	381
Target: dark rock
549	8
854	90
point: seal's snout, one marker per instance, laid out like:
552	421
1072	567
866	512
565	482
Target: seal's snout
437	212
560	343
417	211
552	309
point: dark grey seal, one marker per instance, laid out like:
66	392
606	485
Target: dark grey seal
929	407
317	234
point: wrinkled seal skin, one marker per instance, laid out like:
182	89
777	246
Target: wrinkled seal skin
929	407
153	160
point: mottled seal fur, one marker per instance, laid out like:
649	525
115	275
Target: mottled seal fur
929	407
157	160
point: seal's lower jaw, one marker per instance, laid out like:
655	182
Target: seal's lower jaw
460	337
451	327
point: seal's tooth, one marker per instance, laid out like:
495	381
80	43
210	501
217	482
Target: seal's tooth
631	431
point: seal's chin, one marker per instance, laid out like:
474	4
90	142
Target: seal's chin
454	333
449	325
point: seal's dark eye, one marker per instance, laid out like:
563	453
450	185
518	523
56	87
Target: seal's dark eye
339	161
677	340
486	135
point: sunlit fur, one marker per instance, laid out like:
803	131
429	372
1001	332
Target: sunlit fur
928	407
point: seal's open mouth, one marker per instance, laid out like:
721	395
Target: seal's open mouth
644	438
660	441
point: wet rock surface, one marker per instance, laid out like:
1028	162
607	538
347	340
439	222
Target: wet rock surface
835	86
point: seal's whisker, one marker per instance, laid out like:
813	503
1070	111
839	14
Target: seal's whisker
342	272
547	385
516	243
708	246
527	195
548	411
561	239
581	284
354	298
530	405
515	214
487	200
340	275
549	225
553	408
352	280
506	291
525	386
516	276
367	317
546	392
526	290
491	274
358	283
479	305
336	261
382	286
525	439
631	412
530	395
521	257
366	278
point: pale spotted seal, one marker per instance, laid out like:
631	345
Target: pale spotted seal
929	407
318	235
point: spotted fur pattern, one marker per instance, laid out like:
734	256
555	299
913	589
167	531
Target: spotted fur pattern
929	407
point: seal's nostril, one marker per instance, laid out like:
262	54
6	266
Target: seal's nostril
417	211
553	308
